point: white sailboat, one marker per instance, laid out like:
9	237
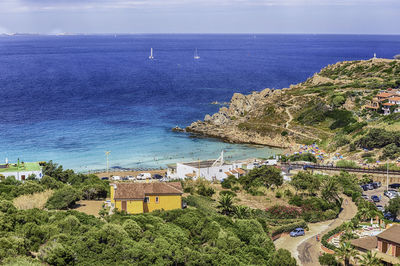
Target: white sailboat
196	55
151	54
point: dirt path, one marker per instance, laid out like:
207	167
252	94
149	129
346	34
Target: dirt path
306	249
290	117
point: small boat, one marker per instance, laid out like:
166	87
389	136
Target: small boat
196	55
151	54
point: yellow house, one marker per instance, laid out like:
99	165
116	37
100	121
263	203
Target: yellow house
146	197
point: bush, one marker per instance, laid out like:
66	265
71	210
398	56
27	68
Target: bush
328	260
278	194
227	192
289	227
204	190
390	151
345	163
229	181
63	198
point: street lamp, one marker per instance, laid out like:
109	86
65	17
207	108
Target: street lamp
107	154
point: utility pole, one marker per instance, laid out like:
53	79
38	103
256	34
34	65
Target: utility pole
387	175
107	154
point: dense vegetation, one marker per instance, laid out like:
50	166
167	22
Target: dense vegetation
198	235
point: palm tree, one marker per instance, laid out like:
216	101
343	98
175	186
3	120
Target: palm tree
345	252
241	212
369	259
330	190
225	203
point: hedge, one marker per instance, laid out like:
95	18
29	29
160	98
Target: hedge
324	239
289	227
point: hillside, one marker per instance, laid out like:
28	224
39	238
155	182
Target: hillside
328	108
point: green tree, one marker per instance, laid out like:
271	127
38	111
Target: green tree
282	257
225	204
369	259
63	198
345	252
394	206
304	180
330	190
133	229
264	176
328	260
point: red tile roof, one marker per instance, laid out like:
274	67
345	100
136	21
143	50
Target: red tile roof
389	104
140	190
240	171
384	95
397	99
366	243
391	234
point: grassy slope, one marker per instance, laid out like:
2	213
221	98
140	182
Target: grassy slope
338	91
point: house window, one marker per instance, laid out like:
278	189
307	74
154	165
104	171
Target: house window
220	170
157	200
22	177
146	199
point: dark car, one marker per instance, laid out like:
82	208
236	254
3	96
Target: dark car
370	186
364	187
375	198
157	176
380	208
395	185
104	178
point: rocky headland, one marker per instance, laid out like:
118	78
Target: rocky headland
321	109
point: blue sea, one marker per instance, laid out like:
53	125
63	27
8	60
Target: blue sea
71	98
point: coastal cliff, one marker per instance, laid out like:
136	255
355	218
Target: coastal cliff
321	109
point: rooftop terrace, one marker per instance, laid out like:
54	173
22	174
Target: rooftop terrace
12	167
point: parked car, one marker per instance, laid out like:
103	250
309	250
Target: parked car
130	177
370	186
380	208
395	185
143	176
364	196
116	178
104	178
364	187
297	232
157	176
376	184
375	198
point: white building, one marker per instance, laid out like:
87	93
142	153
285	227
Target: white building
209	169
21	171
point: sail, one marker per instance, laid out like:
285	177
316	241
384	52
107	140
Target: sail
196	55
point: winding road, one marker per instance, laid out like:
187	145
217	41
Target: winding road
305	248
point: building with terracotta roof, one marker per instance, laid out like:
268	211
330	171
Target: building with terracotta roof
385	245
385	96
136	198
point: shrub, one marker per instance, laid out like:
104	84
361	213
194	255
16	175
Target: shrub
278	194
229	181
227	192
204	190
63	198
288	193
345	163
283	212
328	260
289	227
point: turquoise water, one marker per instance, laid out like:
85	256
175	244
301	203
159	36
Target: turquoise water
71	98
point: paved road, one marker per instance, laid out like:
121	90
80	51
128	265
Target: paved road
306	249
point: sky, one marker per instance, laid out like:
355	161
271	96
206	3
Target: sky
200	16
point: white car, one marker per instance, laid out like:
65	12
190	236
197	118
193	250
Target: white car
143	176
130	177
116	178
